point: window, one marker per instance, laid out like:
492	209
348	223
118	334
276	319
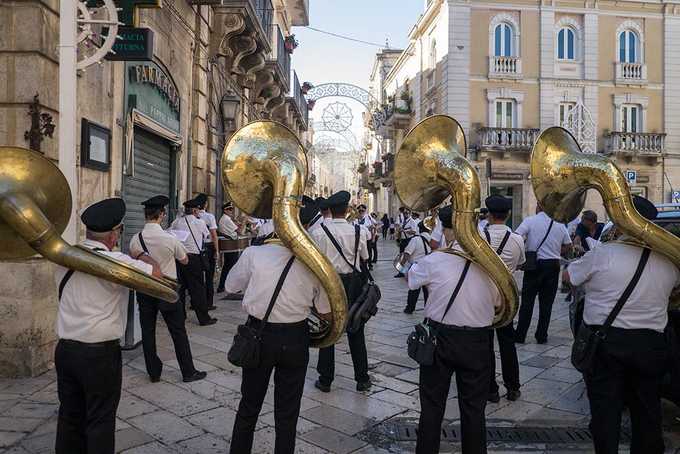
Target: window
505	114
503	37
631	118
566	44
433	53
629	47
565	108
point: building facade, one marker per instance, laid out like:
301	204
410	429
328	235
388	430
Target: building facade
145	127
607	71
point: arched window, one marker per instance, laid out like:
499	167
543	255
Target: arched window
503	39
629	47
566	44
433	53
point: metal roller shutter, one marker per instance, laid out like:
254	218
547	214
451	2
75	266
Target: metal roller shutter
153	175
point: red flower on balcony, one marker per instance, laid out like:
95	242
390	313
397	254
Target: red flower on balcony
290	43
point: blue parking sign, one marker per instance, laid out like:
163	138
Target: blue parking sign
631	176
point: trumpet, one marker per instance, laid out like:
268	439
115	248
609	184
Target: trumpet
35	207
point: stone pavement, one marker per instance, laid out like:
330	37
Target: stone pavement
173	417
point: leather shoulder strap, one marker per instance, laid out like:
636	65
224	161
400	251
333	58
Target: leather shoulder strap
142	243
457	289
68	275
546	235
338	247
277	290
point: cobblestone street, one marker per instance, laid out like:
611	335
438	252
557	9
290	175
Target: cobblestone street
173	417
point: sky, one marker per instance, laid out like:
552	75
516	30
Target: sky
321	58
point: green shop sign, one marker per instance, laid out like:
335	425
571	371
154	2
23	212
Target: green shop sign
132	44
152	92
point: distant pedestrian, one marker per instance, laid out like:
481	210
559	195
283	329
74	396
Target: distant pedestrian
391	229
385	225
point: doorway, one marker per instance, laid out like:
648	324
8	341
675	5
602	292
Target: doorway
513	192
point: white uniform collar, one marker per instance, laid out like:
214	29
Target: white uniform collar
339	220
93	244
497	227
153	226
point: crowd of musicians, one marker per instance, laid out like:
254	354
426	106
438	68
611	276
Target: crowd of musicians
279	293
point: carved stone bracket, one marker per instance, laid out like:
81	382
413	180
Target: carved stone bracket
232	25
242	46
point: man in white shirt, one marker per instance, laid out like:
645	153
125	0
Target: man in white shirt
408	229
633	357
167	250
345	234
285	336
365	221
462	335
417	248
548	240
211	248
323	215
482	219
510	247
192	275
227	228
91	321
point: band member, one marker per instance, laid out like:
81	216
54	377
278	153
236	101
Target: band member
549	240
192	275
165	249
345	263
91	321
587	229
374	243
227	228
323	215
417	248
510	247
632	359
285	338
462	335
211	248
407	230
483	221
366	221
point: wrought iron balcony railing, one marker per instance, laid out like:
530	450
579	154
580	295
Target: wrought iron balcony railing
635	143
507	139
265	13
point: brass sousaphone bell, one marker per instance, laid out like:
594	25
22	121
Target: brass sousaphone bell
430	166
264	168
35	206
561	176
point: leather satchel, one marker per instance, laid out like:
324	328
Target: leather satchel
422	342
245	350
202	253
588	339
530	263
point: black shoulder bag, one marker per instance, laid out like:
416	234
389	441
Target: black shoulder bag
422	342
532	256
245	351
205	260
587	339
364	294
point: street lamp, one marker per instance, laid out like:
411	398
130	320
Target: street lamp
229	108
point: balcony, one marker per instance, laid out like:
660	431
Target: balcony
635	144
298	104
279	58
298	11
631	73
507	139
505	67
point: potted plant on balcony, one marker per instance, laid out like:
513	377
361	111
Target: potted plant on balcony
290	43
403	104
310	104
306	86
361	168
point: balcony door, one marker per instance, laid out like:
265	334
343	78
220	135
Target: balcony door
630	119
505	114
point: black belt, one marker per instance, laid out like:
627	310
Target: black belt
269	326
628	331
111	344
445	327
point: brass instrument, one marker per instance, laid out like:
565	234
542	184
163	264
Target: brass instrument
402	262
264	168
430	222
352	214
561	175
430	166
35	206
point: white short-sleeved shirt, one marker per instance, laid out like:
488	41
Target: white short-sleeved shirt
92	309
513	251
416	248
227	227
366	223
438	234
409	224
265	227
605	272
481	224
440	272
300	291
163	248
190	223
344	234
210	222
316	222
533	230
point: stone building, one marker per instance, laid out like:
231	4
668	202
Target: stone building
605	70
159	125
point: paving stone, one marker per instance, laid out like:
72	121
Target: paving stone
131	406
549	417
516	411
303	425
204	444
333	441
401	360
412	376
561	374
165	427
31	410
541	361
340	420
19	424
9	438
173	398
526	373
151	448
543	392
15	450
218	421
130	438
403	400
41	444
394	384
574	400
562	352
217	359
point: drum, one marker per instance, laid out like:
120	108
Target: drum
402	262
237	245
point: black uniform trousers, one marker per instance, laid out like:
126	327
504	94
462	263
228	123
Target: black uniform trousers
229	259
89	378
357	347
285	351
465	352
630	365
543	282
509	362
403	243
412	298
192	278
174	317
373	251
210	274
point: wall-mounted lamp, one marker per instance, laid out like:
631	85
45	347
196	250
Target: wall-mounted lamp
229	107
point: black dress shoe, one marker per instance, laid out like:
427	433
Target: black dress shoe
399	275
494	397
542	341
212	321
519	341
197	375
513	394
155	379
220	290
321	387
212	308
408	311
364	385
